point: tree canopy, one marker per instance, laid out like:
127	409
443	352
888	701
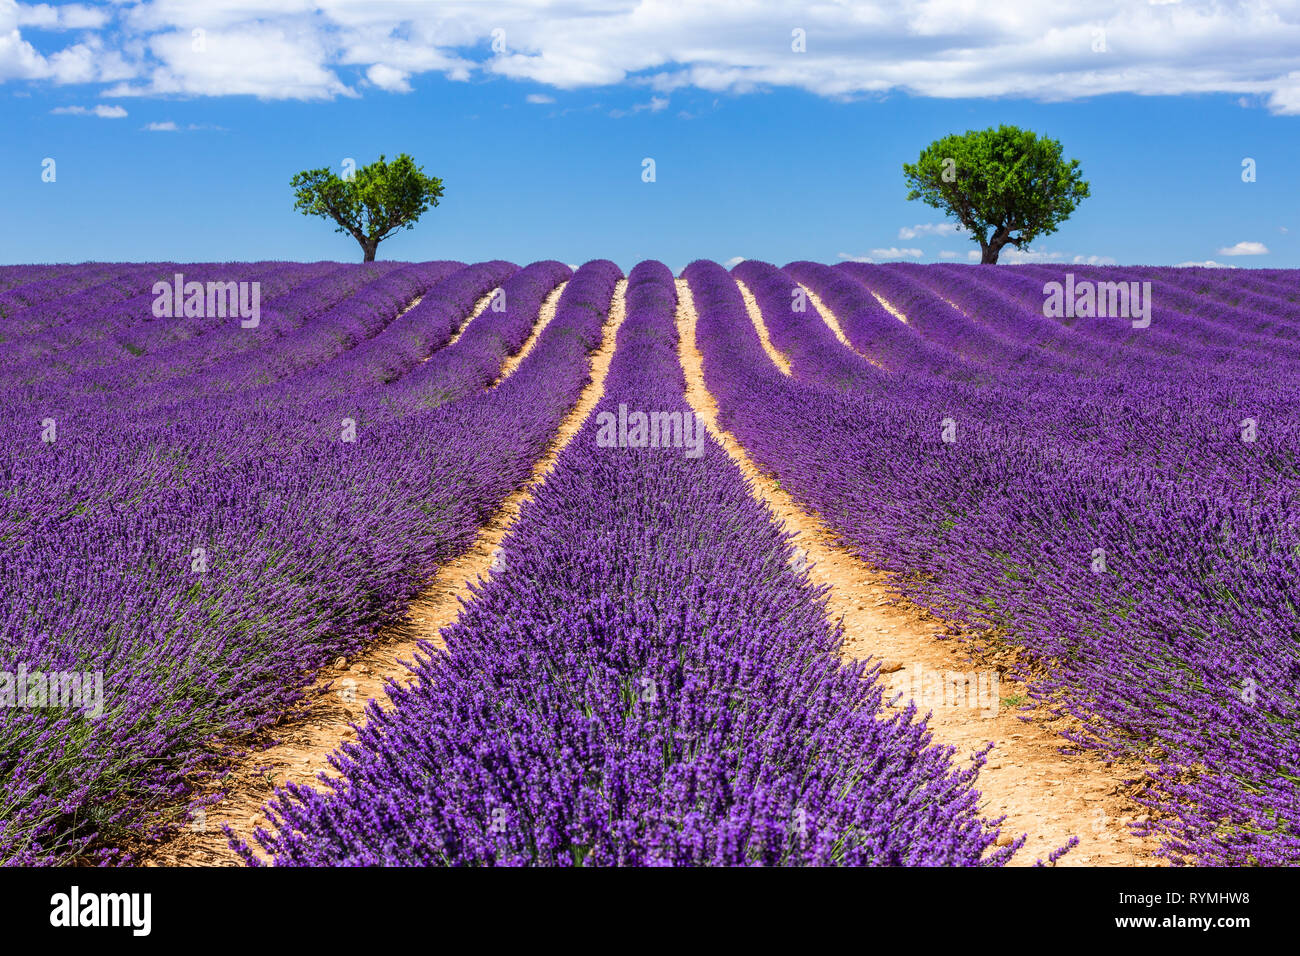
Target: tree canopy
371	203
1008	186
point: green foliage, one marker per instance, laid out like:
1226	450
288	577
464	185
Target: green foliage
373	203
1006	185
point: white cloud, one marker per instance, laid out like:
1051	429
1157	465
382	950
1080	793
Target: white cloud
85	61
932	229
893	252
1207	264
102	111
539	98
388	78
257	60
656	104
734	261
72	16
849	257
1012	255
941	48
169	126
1245	249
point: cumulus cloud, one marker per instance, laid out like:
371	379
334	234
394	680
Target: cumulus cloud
1245	249
734	261
170	126
88	60
940	48
932	229
893	252
1012	256
265	61
102	111
539	98
849	257
1207	264
71	16
389	78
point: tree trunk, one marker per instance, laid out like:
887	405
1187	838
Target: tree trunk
369	249
991	249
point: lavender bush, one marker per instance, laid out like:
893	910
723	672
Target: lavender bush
205	514
207	539
649	683
1121	502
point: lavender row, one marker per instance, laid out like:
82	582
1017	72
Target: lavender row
105	314
21	305
80	403
1260	322
207	605
231	358
14	277
1137	533
803	335
873	331
1173	338
162	370
477	357
647	683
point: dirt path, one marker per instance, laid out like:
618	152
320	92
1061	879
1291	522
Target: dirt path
815	300
303	742
1044	794
829	318
474	313
751	306
887	305
544	316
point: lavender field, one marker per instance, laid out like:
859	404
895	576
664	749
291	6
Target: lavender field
210	513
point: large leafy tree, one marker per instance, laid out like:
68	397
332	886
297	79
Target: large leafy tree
372	203
1006	185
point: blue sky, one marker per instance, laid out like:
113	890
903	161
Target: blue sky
544	160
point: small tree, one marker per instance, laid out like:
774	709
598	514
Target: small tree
372	203
1006	185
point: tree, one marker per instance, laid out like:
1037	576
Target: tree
371	203
1006	185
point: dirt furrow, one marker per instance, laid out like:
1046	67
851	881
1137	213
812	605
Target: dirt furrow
834	324
826	315
474	313
1043	793
303	743
751	306
544	316
888	306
